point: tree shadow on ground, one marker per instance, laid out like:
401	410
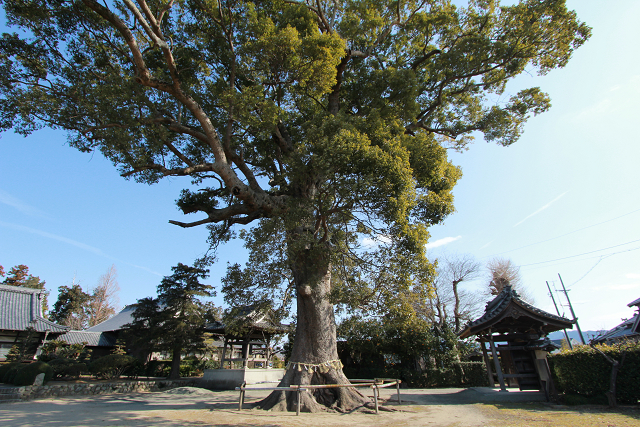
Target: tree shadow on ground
117	410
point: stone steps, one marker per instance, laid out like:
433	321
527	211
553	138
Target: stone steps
9	395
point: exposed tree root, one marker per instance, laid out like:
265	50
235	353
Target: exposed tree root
341	399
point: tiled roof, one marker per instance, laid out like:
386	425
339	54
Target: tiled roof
117	322
93	339
22	307
635	302
499	304
622	331
250	316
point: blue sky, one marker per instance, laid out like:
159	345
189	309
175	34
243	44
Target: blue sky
563	199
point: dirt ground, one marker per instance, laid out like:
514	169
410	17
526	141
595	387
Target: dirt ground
189	406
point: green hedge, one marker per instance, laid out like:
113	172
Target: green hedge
27	374
584	371
460	374
8	372
112	366
20	374
63	367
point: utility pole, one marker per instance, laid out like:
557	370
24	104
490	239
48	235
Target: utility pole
566	334
572	312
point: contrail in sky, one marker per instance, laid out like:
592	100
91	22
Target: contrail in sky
442	242
542	208
54	237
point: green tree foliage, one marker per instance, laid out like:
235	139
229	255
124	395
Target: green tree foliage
414	350
79	309
175	320
71	307
26	348
19	276
322	124
112	366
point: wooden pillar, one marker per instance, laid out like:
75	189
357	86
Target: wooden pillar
224	352
496	362
245	352
487	362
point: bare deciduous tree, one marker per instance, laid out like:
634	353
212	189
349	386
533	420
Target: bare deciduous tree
457	270
504	272
104	297
448	301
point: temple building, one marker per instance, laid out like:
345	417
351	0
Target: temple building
513	337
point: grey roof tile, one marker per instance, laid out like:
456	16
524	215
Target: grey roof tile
117	322
22	307
622	331
93	339
496	306
634	302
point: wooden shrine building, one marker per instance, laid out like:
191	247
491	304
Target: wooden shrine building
247	338
516	335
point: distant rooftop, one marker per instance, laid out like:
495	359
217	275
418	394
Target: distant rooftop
634	303
21	308
117	322
93	339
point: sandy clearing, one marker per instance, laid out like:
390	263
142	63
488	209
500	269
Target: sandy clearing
198	407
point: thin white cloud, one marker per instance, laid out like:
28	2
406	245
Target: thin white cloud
618	100
72	242
148	270
633	276
487	244
442	242
9	200
542	208
54	237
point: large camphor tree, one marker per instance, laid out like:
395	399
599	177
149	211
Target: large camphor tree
320	128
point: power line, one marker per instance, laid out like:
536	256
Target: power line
585	253
566	234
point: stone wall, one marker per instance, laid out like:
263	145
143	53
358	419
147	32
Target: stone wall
88	389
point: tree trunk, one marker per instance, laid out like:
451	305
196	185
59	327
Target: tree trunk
174	374
456	306
314	357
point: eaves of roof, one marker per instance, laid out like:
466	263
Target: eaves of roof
496	310
21	308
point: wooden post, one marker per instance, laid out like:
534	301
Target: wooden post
241	399
398	390
487	362
298	401
245	352
375	396
496	362
224	352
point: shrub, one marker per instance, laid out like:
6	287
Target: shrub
111	366
158	368
474	374
134	370
212	364
8	372
584	371
63	367
57	349
27	374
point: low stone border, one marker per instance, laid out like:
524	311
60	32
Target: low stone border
88	389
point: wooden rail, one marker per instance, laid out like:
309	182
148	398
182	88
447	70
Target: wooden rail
375	384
